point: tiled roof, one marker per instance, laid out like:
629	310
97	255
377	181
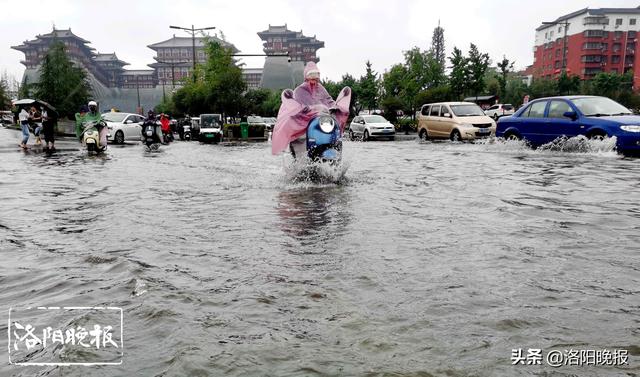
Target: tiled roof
188	42
595	12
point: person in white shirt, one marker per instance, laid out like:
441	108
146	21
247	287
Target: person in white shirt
24	125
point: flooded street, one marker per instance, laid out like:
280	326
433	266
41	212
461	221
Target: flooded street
426	259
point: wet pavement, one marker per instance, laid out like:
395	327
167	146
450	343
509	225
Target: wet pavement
424	259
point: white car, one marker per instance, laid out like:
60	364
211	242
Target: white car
500	109
371	127
123	126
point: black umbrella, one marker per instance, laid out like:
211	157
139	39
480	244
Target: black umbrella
25	102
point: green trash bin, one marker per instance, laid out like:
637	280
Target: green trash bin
244	130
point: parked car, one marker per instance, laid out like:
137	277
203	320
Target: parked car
210	128
546	119
123	126
454	120
500	109
371	127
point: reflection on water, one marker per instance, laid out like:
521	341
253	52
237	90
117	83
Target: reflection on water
424	258
316	214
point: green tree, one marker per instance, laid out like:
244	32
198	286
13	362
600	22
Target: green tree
223	80
254	100
369	88
25	88
515	91
391	105
332	87
478	65
347	80
438	52
568	84
5	100
271	106
505	66
62	84
460	74
543	88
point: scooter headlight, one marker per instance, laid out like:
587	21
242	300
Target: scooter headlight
327	124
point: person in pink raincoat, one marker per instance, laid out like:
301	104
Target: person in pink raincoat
301	105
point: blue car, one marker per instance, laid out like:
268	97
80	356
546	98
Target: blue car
546	119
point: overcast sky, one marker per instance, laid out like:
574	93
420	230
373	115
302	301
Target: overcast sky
354	31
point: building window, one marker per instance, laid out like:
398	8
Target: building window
592	46
632	21
616	47
557	64
560	30
618	21
595	33
592	58
631	34
617	35
615	59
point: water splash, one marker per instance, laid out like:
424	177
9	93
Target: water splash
305	170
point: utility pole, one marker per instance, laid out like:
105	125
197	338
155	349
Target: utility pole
193	30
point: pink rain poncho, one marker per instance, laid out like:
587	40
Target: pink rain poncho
300	106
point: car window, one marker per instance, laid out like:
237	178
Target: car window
113	117
558	108
507	107
494	107
425	110
130	118
445	110
535	110
356	120
435	111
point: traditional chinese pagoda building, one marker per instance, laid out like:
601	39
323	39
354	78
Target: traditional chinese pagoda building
174	57
281	40
113	66
77	50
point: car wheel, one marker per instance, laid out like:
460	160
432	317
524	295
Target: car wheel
597	135
119	138
365	136
455	136
423	134
511	136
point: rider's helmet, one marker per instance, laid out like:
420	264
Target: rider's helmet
93	106
151	115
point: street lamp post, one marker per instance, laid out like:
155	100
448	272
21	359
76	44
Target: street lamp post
193	30
564	42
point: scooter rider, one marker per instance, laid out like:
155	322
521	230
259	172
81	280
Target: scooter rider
310	93
91	114
151	120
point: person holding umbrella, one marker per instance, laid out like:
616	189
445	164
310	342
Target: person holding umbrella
23	116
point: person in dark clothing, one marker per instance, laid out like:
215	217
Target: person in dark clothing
48	129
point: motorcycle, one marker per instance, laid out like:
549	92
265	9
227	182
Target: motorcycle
186	132
150	136
91	136
322	142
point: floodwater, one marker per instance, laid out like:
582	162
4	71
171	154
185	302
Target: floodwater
425	259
